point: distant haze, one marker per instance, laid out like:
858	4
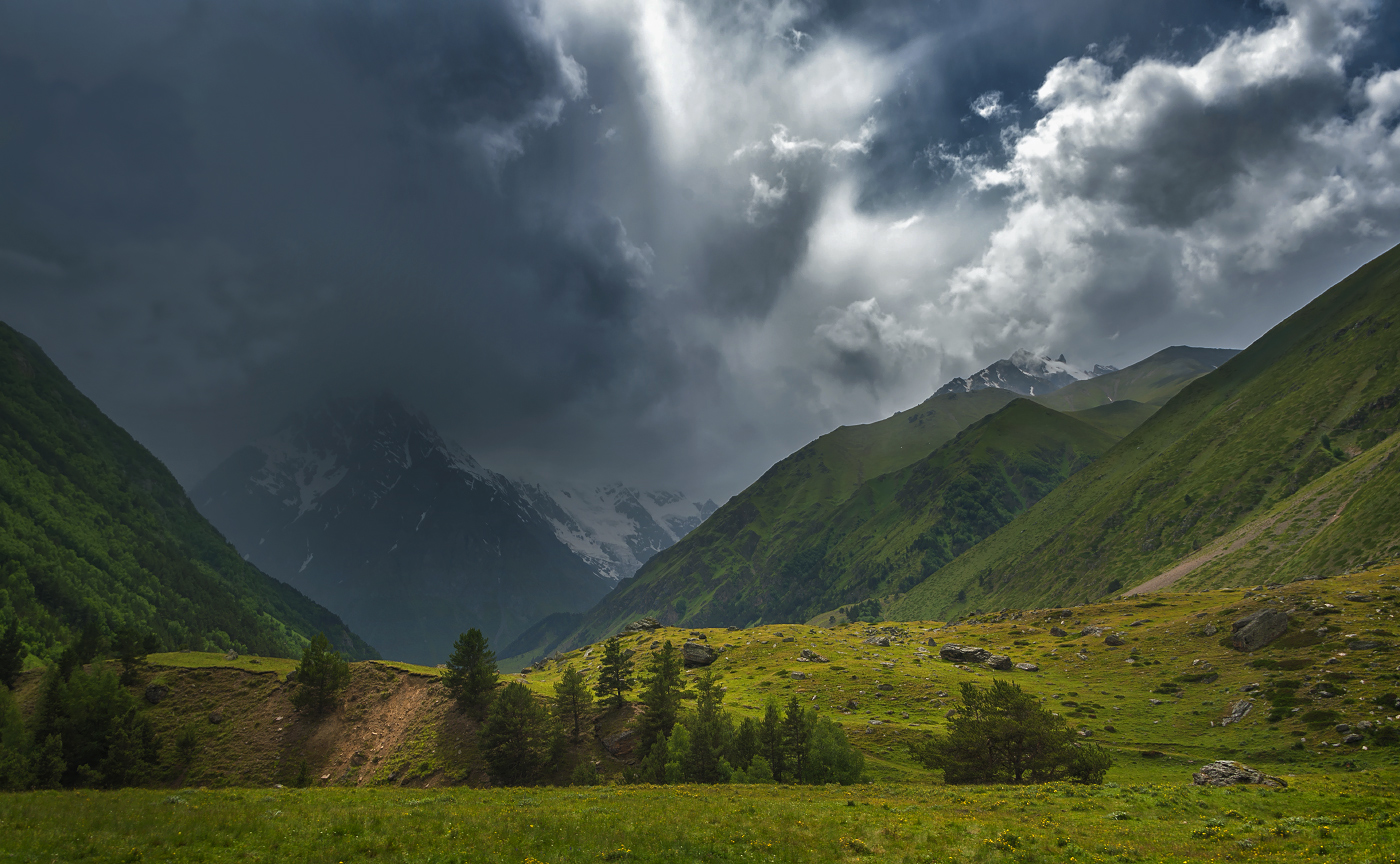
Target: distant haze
657	242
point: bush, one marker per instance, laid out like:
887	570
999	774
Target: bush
586	774
1003	735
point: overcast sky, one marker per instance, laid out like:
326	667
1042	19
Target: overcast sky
658	241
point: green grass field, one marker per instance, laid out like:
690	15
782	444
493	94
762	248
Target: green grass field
1321	818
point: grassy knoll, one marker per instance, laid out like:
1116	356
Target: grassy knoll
1316	819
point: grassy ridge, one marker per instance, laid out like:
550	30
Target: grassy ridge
1152	381
95	531
1225	451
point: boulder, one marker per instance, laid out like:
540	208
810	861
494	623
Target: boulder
998	661
1363	645
642	624
231	655
1113	639
1237	712
878	641
1058	632
852	704
292	677
1028	667
1209	630
1353	738
216	717
1227	773
1091	631
156	692
1256	630
811	656
885	687
797	676
1342	728
964	654
696	654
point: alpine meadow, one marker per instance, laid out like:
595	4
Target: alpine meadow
663	431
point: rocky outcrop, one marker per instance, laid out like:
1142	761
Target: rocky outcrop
878	641
695	654
811	656
964	654
642	624
1227	773
1237	712
1254	631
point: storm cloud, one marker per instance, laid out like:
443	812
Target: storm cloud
659	241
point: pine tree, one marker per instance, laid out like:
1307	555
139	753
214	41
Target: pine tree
770	740
471	673
661	696
572	700
744	745
320	677
515	736
797	731
11	655
711	730
615	676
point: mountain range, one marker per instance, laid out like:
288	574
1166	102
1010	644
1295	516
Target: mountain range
866	511
367	508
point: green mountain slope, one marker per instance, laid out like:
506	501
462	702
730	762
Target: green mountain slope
1115	418
1253	440
888	533
1151	381
95	530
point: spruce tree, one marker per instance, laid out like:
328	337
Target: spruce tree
615	676
471	673
711	730
514	738
661	696
320	677
572	700
797	731
770	740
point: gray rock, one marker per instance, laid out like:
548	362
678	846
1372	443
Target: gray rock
1114	639
1343	728
231	655
1058	633
1156	701
789	639
1353	738
952	712
998	661
1366	725
852	704
1249	688
1028	667
292	677
1363	644
1227	773
629	653
798	676
878	641
1209	630
884	687
1091	631
1256	630
695	654
156	692
216	717
964	654
811	656
642	624
1237	712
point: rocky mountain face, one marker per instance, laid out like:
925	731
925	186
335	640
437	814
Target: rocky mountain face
367	508
1024	373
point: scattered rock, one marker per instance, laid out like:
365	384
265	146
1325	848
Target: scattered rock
1224	772
952	712
1249	688
878	641
1209	630
216	717
1366	725
231	655
1114	639
656	644
156	692
1343	728
811	656
1028	667
1359	598
1138	623
1091	631
964	654
884	687
1156	701
852	704
1353	738
932	641
789	639
358	759
1085	733
943	694
695	654
1054	631
798	676
292	677
998	661
629	653
642	624
1254	631
1237	712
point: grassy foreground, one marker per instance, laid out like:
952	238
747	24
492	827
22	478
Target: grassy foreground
1318	819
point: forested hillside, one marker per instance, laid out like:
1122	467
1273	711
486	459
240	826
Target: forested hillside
95	534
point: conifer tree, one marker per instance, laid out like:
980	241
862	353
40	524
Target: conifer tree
770	740
797	730
572	700
661	696
615	676
11	655
711	730
471	673
514	738
320	677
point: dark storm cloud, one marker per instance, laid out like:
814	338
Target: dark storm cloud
658	241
